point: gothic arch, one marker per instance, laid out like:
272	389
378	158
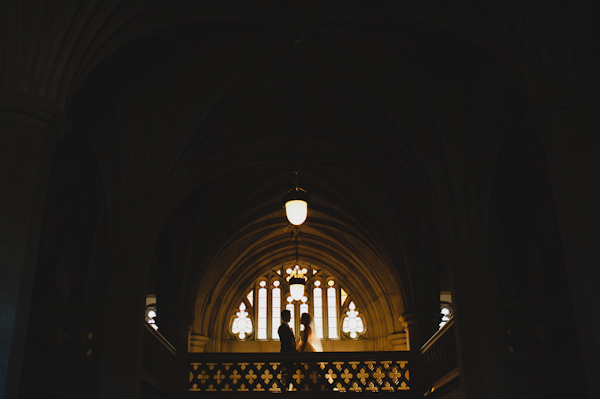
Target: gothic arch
327	243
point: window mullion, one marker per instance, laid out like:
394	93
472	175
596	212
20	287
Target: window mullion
255	311
297	319
325	305
269	310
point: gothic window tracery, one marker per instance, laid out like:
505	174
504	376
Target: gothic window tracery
353	324
150	311
242	324
335	313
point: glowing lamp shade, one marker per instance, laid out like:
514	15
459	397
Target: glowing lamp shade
296	205
297	288
296	211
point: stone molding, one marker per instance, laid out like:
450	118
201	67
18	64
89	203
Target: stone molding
198	343
399	341
563	108
464	253
150	260
45	114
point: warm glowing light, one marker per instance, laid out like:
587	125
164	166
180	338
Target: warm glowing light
296	205
297	290
296	211
242	324
353	323
297	282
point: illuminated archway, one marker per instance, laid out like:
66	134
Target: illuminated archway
253	253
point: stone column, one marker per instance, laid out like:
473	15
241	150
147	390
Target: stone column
122	325
29	131
416	326
419	328
182	345
569	127
479	325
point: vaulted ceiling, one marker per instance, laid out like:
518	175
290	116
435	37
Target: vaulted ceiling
195	115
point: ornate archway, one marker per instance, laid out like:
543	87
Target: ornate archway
343	253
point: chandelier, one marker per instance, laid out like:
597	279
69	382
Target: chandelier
296	279
297	282
295	200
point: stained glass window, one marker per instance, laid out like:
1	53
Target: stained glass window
328	303
318	308
150	316
332	311
275	309
446	312
353	324
242	324
262	311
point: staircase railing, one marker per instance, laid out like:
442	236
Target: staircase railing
441	361
159	365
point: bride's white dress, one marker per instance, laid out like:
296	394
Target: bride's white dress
313	343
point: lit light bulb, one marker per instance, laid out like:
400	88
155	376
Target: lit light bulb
297	291
296	205
296	211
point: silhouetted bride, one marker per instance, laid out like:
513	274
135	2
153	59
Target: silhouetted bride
309	341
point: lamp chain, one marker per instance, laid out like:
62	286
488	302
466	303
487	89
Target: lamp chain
295	102
296	234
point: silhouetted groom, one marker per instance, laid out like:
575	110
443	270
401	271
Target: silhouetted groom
286	335
288	345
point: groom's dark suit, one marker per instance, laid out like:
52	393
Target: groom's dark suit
286	338
288	345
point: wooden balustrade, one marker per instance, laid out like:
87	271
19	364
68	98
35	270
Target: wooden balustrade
159	365
215	374
441	361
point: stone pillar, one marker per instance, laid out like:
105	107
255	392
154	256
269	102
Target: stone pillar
569	127
479	325
415	326
28	131
419	328
122	326
182	345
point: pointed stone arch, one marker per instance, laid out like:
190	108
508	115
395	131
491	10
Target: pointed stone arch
347	255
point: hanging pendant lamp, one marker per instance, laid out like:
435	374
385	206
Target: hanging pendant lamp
297	282
295	202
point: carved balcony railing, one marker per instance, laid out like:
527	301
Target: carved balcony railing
441	361
217	374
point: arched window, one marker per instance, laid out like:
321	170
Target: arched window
242	324
335	313
150	312
446	311
445	308
353	324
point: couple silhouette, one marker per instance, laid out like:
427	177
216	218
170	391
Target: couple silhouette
309	342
